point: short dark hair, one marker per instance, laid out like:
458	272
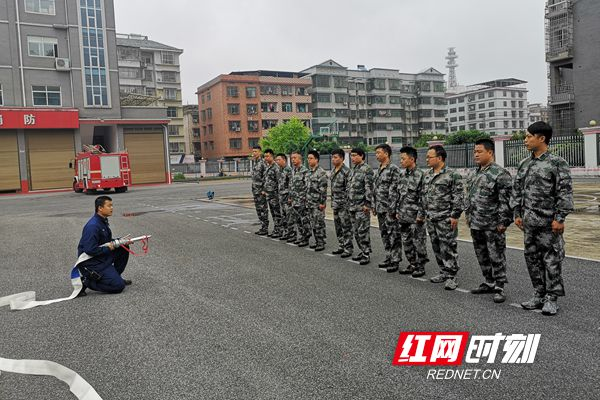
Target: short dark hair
282	155
269	151
359	151
298	152
410	151
385	147
256	147
315	154
487	144
339	152
439	151
99	202
541	128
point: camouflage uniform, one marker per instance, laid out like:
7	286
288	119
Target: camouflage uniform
542	193
487	207
339	205
260	201
360	194
271	188
297	200
443	198
384	200
409	206
317	195
285	180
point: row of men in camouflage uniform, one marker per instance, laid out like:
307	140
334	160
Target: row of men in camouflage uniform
408	201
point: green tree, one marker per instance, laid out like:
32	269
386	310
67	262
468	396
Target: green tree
285	138
424	138
462	137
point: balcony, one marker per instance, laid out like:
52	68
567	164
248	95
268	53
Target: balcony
562	94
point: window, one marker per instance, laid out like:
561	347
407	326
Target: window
210	129
129	73
471	107
321	80
424	100
520	103
251	109
397	139
301	107
269	89
491	93
232	91
95	71
452	110
461	99
287	107
40	7
492	125
203	115
482	116
147	58
425	86
233	109
376	99
482	125
46	95
169	76
172	112
380	140
491	104
208	97
235	143
250	92
461	118
506	113
235	126
492	114
520	95
395	100
453	119
150	91
439	101
42	46
340	82
173	130
167	57
148	75
513	94
287	90
513	103
176	148
268	107
209	113
394	84
461	109
252	126
269	123
439	113
438	87
452	101
341	98
170	94
481	105
300	91
196	132
253	142
322	98
472	117
481	96
505	103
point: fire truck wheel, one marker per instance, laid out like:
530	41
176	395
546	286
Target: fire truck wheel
121	189
76	189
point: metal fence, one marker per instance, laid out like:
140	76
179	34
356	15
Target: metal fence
571	148
458	156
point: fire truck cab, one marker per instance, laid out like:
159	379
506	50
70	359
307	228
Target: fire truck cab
96	169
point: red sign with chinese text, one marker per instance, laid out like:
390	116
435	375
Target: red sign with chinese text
28	118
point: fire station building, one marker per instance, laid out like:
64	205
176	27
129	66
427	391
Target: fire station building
59	90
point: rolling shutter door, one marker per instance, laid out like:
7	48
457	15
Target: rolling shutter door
9	162
49	157
146	157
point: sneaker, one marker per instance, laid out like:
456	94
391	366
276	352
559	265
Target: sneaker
417	273
550	305
357	257
484	288
284	238
82	292
392	268
346	254
303	243
499	296
439	278
385	263
451	283
365	259
261	232
320	247
275	235
127	282
313	246
535	303
406	271
292	239
338	252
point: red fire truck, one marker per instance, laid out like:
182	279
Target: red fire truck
96	169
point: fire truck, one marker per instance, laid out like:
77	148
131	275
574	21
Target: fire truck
95	169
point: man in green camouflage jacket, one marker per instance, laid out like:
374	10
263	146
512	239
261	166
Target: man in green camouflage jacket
488	212
360	200
385	191
258	181
285	180
297	201
410	213
316	199
443	200
542	198
271	191
339	203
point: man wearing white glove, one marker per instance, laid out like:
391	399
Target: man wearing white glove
103	271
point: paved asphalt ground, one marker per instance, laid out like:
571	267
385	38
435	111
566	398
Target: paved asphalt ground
216	312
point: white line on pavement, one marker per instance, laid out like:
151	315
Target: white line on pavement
246	231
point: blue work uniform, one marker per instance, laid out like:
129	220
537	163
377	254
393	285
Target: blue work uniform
103	271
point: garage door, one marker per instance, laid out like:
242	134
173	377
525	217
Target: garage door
146	157
9	162
49	156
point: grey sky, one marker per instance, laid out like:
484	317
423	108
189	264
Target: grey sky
493	38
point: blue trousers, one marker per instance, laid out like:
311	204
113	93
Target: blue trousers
110	280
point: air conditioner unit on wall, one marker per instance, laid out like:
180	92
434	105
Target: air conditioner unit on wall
62	64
